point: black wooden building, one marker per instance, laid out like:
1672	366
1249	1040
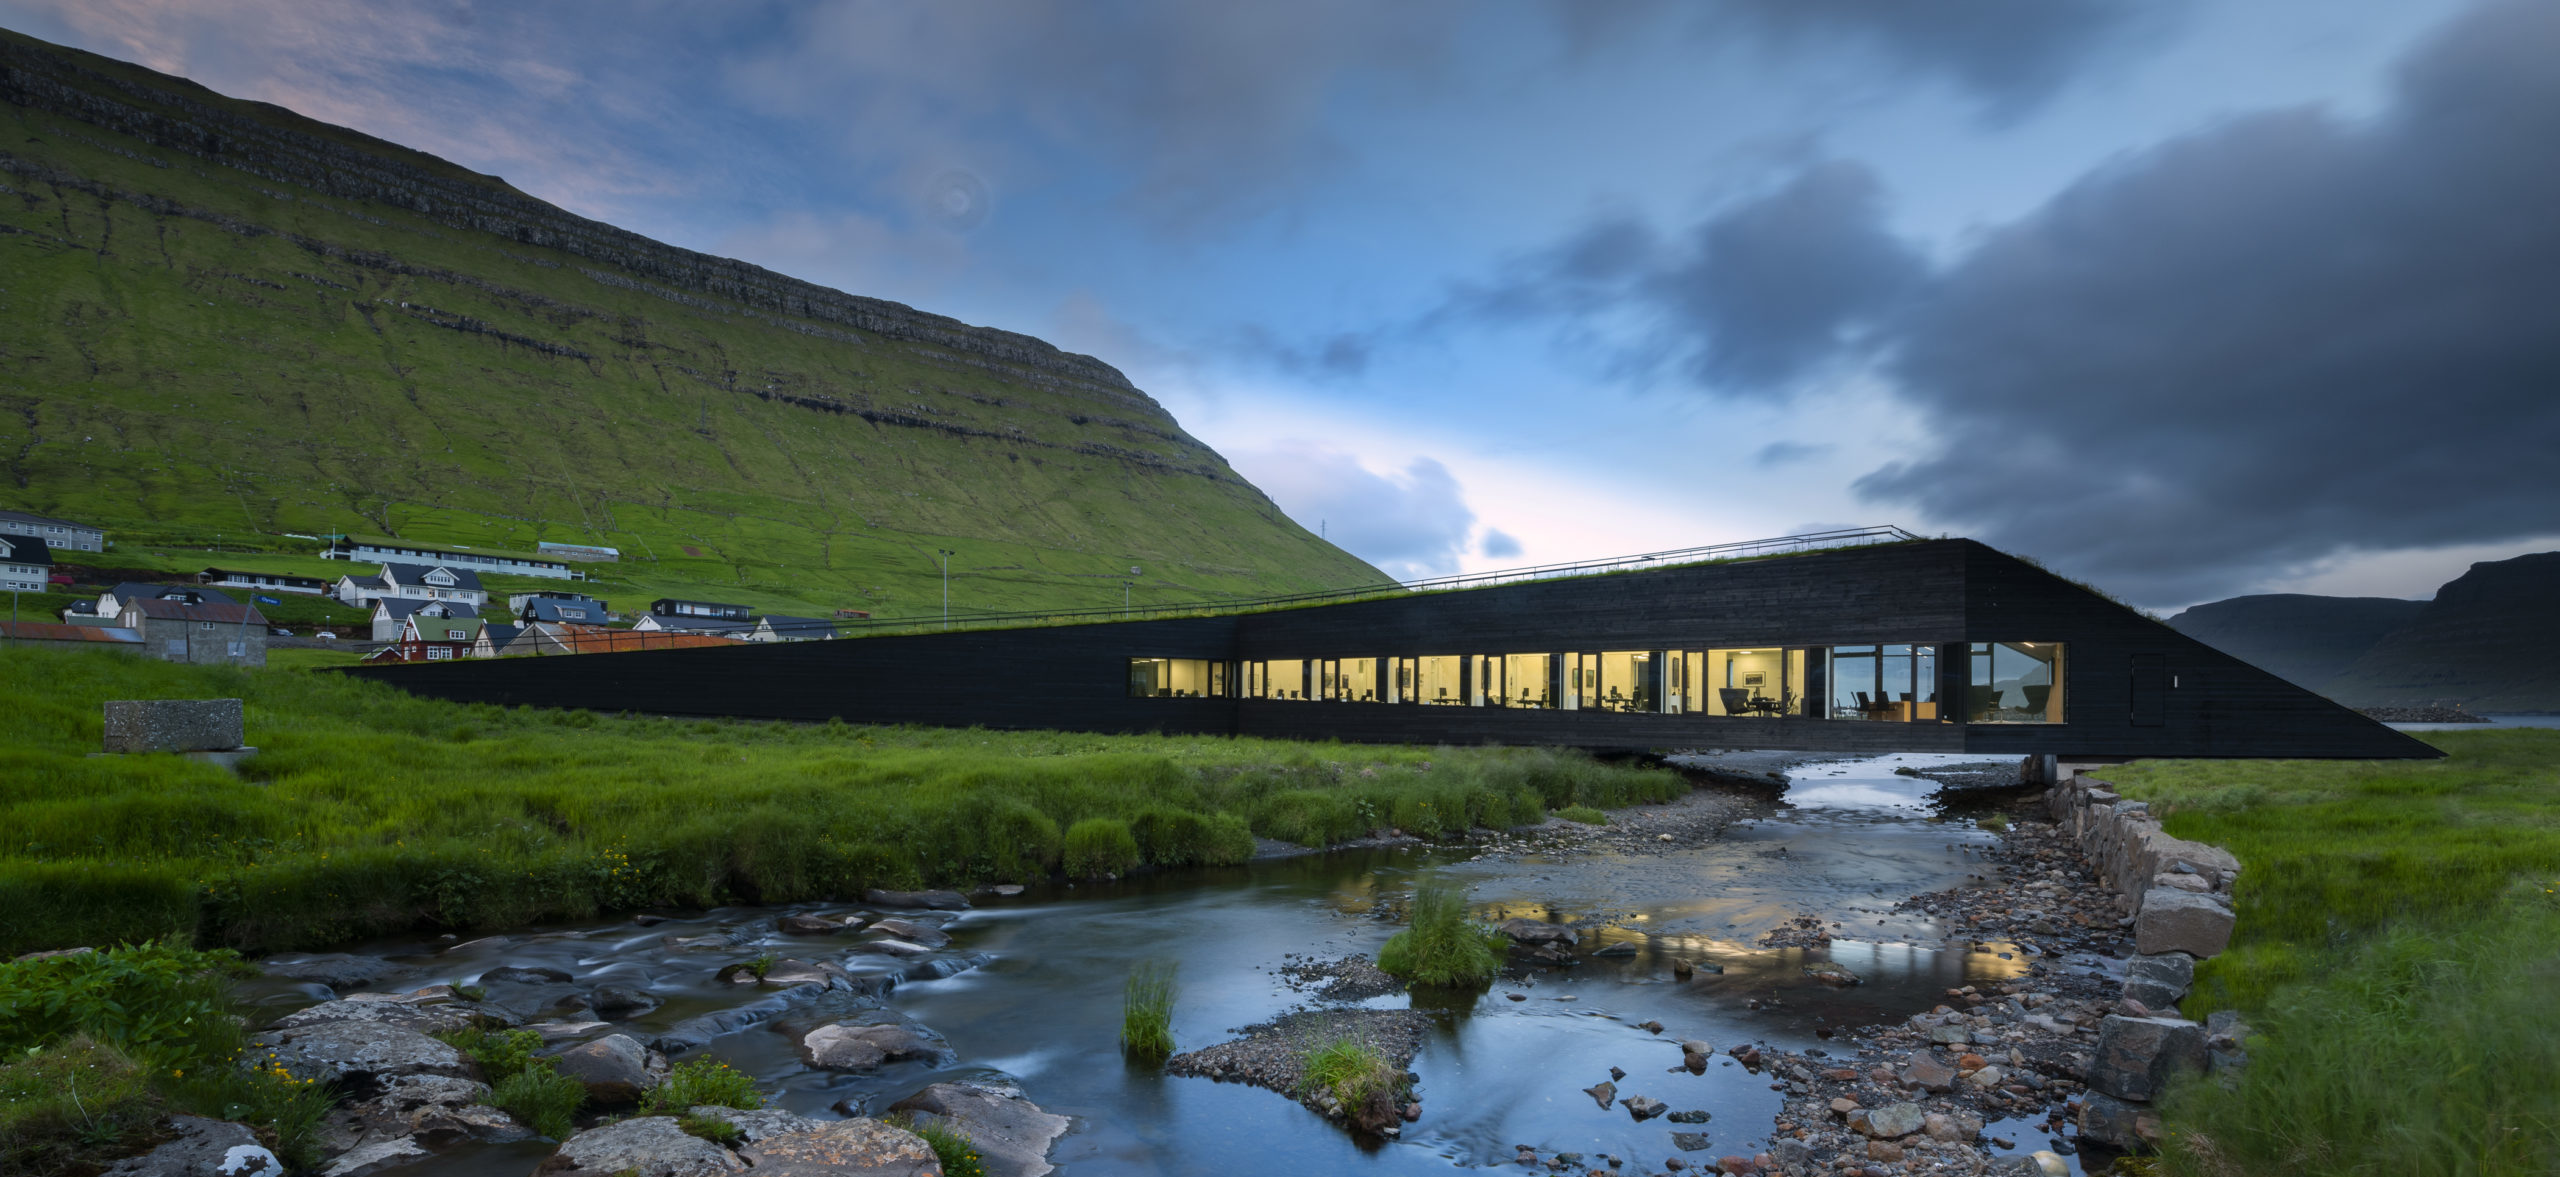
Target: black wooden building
1932	645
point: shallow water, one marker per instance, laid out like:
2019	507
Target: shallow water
1845	842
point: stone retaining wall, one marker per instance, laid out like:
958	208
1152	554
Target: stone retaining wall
2178	894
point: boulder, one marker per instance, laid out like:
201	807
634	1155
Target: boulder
2118	1124
909	930
929	900
622	1001
755	1125
2137	1056
422	1112
203	1148
1643	1107
426	1015
564	1031
1940	1126
1529	931
844	1148
1692	1141
358	1055
1012	1134
379	1156
1832	973
843	1047
615	1068
2176	970
810	925
1929	1071
1890	1122
898	948
2181	921
336	970
525	975
649	1146
1604	1093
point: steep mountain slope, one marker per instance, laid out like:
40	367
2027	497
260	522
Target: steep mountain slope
2489	641
219	319
2304	639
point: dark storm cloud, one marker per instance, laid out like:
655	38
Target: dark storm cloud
2272	342
1752	298
2008	55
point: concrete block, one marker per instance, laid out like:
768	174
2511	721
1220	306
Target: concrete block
173	725
2171	920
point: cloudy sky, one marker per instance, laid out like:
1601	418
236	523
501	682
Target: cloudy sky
2187	299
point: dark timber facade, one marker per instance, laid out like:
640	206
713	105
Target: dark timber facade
1936	645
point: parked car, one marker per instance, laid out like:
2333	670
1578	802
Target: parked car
279	631
326	636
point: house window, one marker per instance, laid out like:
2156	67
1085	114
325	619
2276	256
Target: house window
1525	680
1276	679
1630	680
1765	681
2013	682
1440	680
439	654
204	625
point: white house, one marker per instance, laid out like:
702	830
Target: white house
414	582
387	550
60	534
25	564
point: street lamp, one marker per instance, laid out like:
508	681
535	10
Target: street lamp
946	554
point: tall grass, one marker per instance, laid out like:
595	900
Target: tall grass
2397	951
1099	848
1356	1074
1440	947
370	812
1146	1012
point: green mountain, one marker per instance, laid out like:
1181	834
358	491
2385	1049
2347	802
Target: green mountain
2489	641
221	322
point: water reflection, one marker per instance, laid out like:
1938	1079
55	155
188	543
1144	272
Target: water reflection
1499	1070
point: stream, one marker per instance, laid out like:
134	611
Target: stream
1042	1010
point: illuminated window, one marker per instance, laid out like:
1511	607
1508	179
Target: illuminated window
1527	680
1353	680
1630	680
1763	682
1176	678
2013	682
1276	679
1440	679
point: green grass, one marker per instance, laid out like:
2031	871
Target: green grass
1440	947
701	1082
369	812
1355	1073
96	1048
952	1147
1146	1012
522	1084
202	358
2397	949
1584	814
1099	848
713	1129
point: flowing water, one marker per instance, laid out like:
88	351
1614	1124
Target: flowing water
1844	842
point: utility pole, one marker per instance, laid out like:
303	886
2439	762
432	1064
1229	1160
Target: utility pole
947	554
1124	595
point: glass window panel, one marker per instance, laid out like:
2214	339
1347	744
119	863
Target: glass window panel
1629	681
1747	682
1682	673
2013	682
1278	679
1528	680
1791	699
1888	684
1356	680
1172	678
1440	679
1401	680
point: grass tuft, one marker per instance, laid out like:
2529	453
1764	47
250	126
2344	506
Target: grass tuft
952	1147
1355	1073
698	1083
1584	814
711	1128
1146	1012
1100	848
540	1098
1439	946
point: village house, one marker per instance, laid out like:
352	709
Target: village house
58	534
177	629
774	627
46	635
496	638
572	610
391	615
378	550
26	564
272	582
414	582
426	636
112	602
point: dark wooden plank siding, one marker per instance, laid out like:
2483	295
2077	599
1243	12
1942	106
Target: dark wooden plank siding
1074	677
